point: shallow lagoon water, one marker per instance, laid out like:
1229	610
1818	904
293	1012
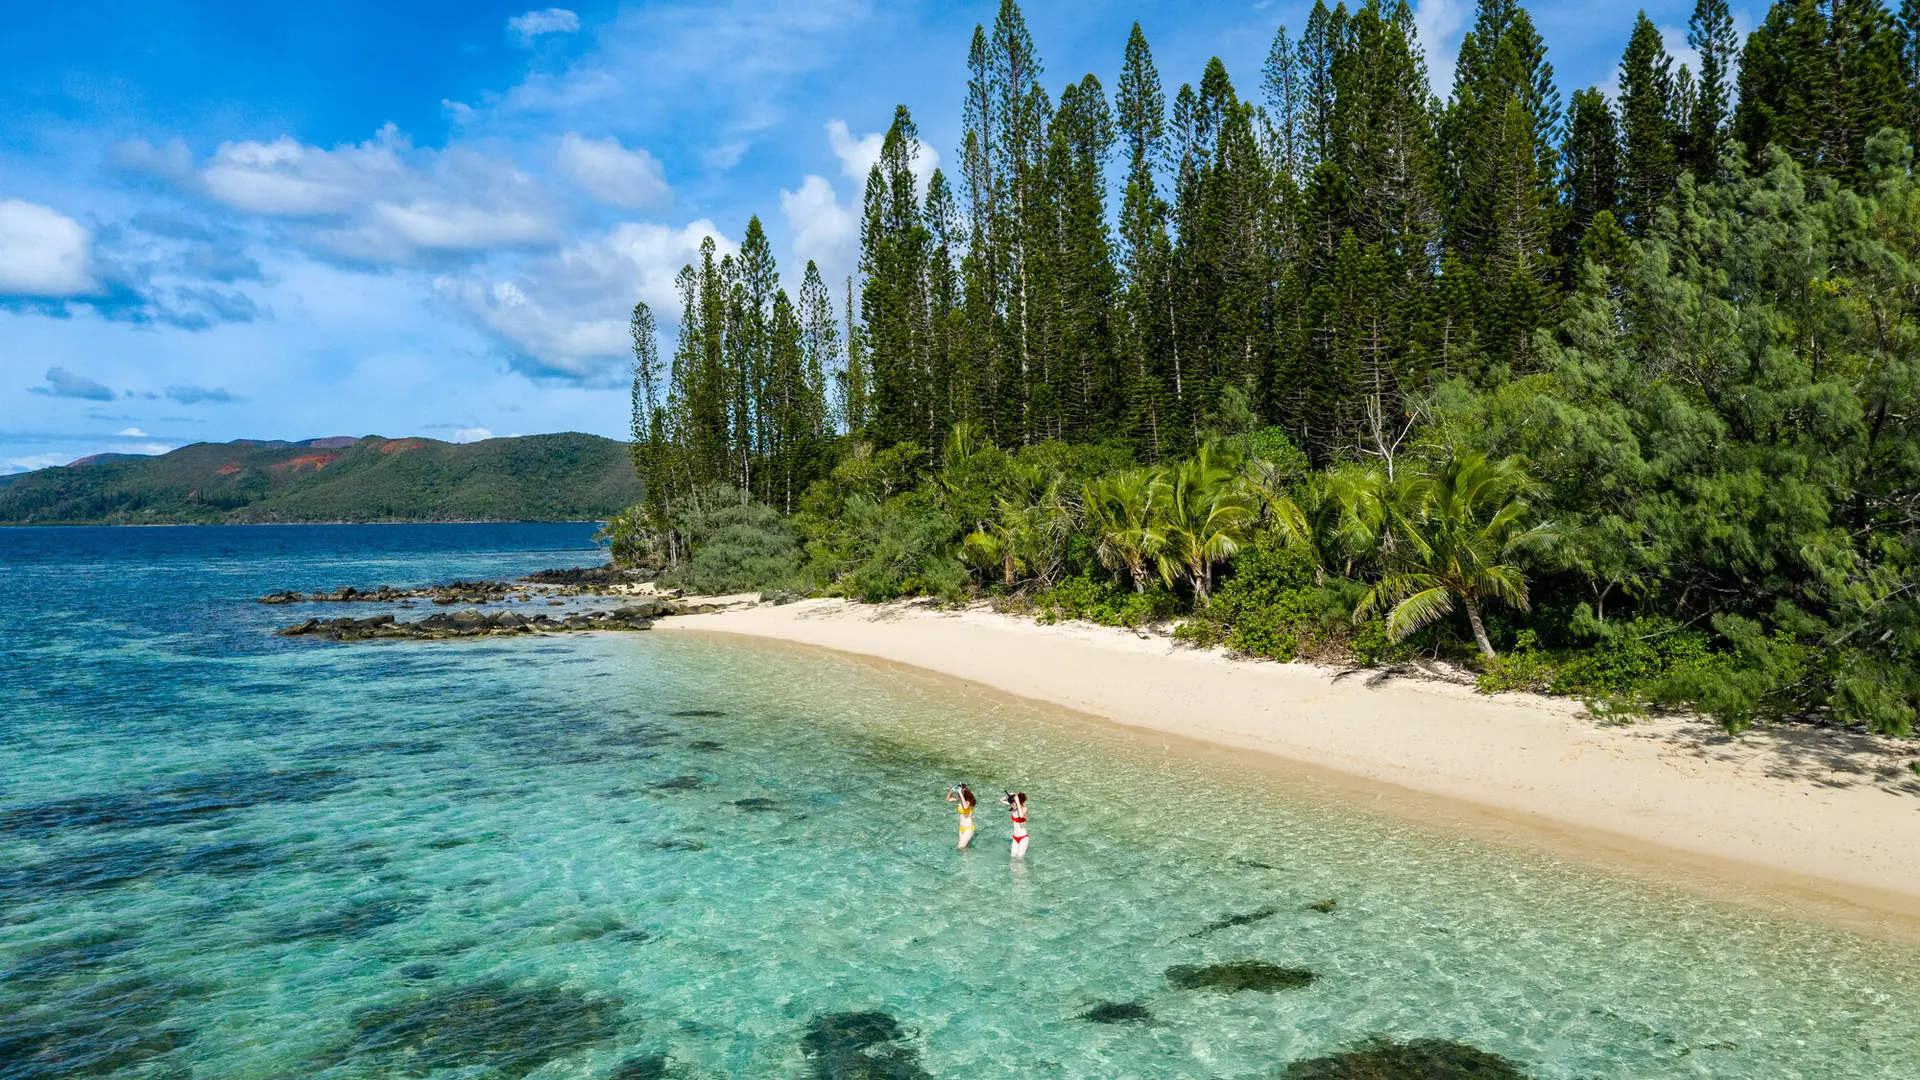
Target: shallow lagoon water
225	854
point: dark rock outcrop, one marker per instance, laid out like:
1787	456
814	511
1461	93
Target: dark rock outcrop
471	622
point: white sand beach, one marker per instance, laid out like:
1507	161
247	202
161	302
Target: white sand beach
1812	820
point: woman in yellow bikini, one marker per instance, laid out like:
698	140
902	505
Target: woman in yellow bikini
962	794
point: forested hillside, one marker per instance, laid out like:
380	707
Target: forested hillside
1610	396
565	477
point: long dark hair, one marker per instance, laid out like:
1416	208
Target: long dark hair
966	796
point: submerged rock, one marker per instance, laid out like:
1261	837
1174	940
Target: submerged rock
651	1067
99	1028
503	1028
1324	907
1231	978
1236	920
192	797
860	1046
1118	1012
678	783
1419	1059
355	918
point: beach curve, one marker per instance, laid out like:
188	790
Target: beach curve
1812	821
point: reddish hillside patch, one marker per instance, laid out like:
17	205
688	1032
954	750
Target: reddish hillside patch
228	469
317	461
401	446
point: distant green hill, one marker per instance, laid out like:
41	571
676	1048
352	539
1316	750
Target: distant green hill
564	477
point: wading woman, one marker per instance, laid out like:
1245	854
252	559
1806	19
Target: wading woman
1016	804
962	794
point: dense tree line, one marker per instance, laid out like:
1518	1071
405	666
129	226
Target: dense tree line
1338	354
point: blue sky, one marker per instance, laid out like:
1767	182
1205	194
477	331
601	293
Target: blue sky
260	220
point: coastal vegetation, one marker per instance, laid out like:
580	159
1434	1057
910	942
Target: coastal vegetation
1614	398
562	477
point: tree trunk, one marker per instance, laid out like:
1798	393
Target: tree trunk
1139	578
1479	630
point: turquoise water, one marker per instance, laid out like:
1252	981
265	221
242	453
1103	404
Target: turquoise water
229	855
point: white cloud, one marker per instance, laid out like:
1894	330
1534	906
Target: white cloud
382	200
545	21
291	179
822	229
471	434
565	316
611	173
43	253
34	461
726	155
1674	39
1439	24
170	161
859	155
132	433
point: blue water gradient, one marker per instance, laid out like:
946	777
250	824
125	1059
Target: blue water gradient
225	854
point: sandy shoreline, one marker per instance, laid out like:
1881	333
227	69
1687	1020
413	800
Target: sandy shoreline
1806	820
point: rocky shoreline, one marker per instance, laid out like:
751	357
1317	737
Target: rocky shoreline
578	581
643	605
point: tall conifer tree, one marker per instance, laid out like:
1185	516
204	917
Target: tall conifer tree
1710	32
1649	158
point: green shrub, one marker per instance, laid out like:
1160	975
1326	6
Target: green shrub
1103	602
738	547
879	551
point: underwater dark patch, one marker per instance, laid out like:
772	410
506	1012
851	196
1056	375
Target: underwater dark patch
371	749
507	1029
859	1046
191	798
633	937
692	713
678	843
351	919
1419	1059
1324	907
33	970
584	928
1239	975
705	745
1117	1012
418	972
446	843
651	1067
106	866
104	1027
678	783
756	805
1236	920
228	859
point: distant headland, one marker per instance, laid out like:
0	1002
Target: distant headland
567	476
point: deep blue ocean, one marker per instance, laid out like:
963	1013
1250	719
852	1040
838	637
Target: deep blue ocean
228	855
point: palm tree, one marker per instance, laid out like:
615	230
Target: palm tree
1205	517
1025	532
1123	512
1455	534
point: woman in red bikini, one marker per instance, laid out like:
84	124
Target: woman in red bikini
1016	804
